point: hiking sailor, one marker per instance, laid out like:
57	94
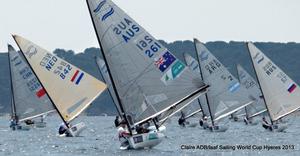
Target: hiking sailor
117	121
265	124
181	120
63	130
123	134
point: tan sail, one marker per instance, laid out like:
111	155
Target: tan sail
70	89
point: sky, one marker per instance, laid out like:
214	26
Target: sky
66	24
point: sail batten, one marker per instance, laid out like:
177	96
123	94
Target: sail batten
226	95
280	92
145	75
70	89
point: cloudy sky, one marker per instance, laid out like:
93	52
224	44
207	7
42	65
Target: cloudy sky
67	24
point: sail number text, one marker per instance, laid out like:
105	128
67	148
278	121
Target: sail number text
61	70
148	45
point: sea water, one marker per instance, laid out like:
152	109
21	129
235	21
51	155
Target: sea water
100	138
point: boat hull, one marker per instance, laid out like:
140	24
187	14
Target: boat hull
218	129
145	140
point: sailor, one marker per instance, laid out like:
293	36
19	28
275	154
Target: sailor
117	122
63	129
142	128
246	120
231	116
29	122
201	122
13	124
205	123
235	118
123	134
265	124
181	120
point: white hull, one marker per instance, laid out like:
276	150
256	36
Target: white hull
192	125
145	140
75	130
278	128
21	128
40	124
218	129
252	123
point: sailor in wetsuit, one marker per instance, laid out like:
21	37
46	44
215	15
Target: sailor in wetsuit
117	121
142	128
63	129
205	122
265	124
13	124
181	120
123	134
29	122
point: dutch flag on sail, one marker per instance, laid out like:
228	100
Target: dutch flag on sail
292	88
77	77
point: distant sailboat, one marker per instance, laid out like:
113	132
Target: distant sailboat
150	83
70	89
258	106
104	73
225	95
29	99
201	101
280	92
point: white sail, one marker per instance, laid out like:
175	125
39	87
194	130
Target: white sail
70	89
258	106
103	71
281	93
194	66
148	78
225	95
29	97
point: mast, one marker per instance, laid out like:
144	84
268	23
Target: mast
102	76
252	63
201	106
206	97
42	85
109	72
13	106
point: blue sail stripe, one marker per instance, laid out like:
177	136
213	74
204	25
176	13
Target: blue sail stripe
100	6
79	79
105	16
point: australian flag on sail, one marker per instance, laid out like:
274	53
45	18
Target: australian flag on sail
77	77
165	61
292	88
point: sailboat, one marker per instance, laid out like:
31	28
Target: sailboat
69	89
225	95
201	101
192	110
105	76
258	106
280	92
150	83
28	96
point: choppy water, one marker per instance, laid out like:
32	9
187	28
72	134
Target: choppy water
100	139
